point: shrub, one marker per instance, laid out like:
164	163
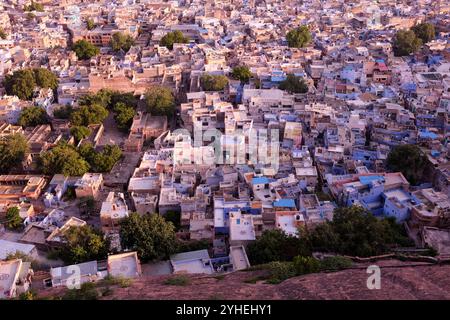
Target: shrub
304	265
180	280
280	271
335	263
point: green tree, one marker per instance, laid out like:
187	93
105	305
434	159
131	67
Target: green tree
160	101
305	265
102	161
424	31
63	112
44	78
355	231
85	50
150	235
102	97
84	244
2	33
213	82
90	24
241	73
127	98
275	245
294	84
409	160
173	37
405	42
34	6
21	83
299	37
13	219
120	41
80	132
32	116
123	115
12	151
63	159
86	115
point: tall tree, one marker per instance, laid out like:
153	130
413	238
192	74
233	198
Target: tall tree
21	83
86	115
85	50
405	42
294	84
241	73
424	31
32	116
45	78
299	37
355	231
12	151
160	101
13	219
80	132
84	244
170	38
150	235
120	41
213	82
123	115
63	159
409	160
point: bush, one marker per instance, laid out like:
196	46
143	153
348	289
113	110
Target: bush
280	271
173	37
335	263
180	280
299	37
213	82
85	50
305	265
87	291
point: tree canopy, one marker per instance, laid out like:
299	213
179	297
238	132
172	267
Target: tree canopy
12	151
123	115
299	37
23	82
120	41
2	33
89	114
355	231
45	78
34	6
85	50
160	101
65	159
84	244
173	37
80	132
241	73
150	235
13	219
405	42
424	31
275	245
90	24
294	84
211	82
409	160
32	116
102	161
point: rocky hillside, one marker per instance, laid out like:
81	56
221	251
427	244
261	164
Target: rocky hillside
399	280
